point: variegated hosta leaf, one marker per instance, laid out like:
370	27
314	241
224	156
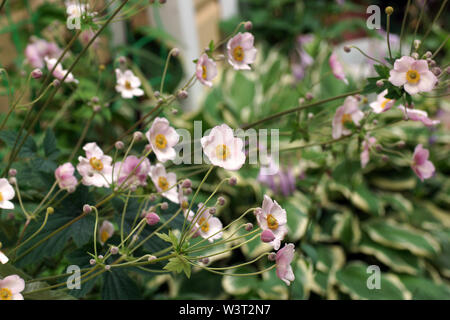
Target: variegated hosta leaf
425	289
401	236
398	260
347	229
353	280
303	282
237	285
271	287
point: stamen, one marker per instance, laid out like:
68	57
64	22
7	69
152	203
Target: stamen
160	141
204	74
5	294
272	222
96	164
204	224
346	118
163	184
222	152
128	85
412	76
238	53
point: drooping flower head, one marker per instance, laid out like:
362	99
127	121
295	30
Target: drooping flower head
365	154
96	168
241	52
64	175
223	149
38	49
419	115
165	182
162	138
206	70
59	72
273	217
6	194
382	104
128	84
132	172
283	261
11	288
336	68
348	113
105	232
413	75
423	167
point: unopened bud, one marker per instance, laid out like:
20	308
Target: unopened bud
428	54
272	256
437	71
309	96
401	144
187	191
415	55
50	210
12	172
174	111
380	83
385	158
114	250
248	226
164	206
347	49
186	183
162	1
56	83
175	52
36	74
182	94
205	260
267	236
97	108
417	44
87	208
107	267
92	262
100	257
152	218
248	25
301	101
221	201
151	258
447	70
389	10
232	181
119	145
137	136
122	60
212	210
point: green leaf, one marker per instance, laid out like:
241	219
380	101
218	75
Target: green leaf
352	280
398	260
401	236
28	149
117	285
177	265
425	289
50	147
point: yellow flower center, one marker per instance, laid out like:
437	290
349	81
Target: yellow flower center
160	141
412	76
185	204
385	102
96	164
272	222
346	118
163	184
222	151
128	85
238	53
1	197
5	294
204	225
104	236
204	75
